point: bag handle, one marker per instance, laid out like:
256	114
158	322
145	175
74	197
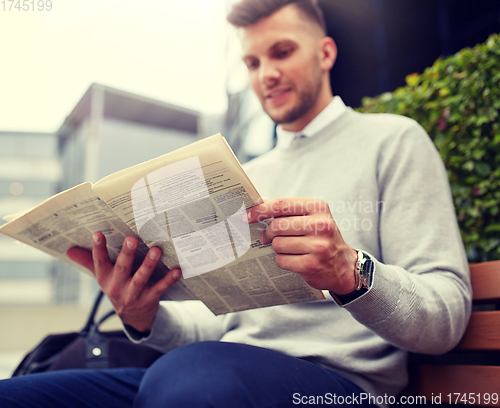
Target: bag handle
46	353
96	342
93	312
95	327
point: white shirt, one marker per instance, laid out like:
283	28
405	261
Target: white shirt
331	112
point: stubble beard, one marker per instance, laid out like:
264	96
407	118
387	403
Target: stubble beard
307	97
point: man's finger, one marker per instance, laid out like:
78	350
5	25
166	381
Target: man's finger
285	207
142	275
293	245
296	226
100	254
125	260
155	291
294	263
81	256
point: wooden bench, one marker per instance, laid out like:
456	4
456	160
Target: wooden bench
469	374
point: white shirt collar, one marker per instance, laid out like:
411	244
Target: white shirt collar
331	112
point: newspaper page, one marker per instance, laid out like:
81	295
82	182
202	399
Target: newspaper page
191	204
69	219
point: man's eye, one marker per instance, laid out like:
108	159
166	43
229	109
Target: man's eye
284	53
252	64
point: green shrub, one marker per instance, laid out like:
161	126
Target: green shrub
457	101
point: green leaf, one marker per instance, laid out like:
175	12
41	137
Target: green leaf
492	228
483	169
444	92
481	120
493	243
469	165
412	79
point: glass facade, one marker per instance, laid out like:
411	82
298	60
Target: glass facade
29	174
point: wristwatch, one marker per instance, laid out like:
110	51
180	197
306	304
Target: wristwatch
363	275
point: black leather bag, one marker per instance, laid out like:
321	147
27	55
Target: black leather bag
89	348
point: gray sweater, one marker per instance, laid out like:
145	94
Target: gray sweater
388	191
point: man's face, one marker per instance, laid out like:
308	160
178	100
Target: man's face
283	54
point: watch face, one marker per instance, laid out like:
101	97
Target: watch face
367	271
368	267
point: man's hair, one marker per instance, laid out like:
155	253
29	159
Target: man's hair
248	12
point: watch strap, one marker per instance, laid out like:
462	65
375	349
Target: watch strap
349	297
364	276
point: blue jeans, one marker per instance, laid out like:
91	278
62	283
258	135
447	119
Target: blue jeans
205	374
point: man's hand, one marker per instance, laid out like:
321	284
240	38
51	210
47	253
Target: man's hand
307	241
134	302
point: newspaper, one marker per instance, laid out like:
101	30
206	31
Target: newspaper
191	204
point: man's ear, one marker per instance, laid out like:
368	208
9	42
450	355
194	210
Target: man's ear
328	53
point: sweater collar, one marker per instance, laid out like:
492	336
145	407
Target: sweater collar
331	112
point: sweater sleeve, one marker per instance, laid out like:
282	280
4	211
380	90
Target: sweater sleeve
180	323
420	299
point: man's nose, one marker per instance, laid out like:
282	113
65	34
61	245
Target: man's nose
268	73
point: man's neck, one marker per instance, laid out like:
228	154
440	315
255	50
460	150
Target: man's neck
328	115
309	116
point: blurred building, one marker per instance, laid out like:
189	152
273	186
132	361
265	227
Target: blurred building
247	128
108	130
30	171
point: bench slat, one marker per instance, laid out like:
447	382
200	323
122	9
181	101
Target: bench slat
450	379
483	332
475	382
485	278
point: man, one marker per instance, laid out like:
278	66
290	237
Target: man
380	239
